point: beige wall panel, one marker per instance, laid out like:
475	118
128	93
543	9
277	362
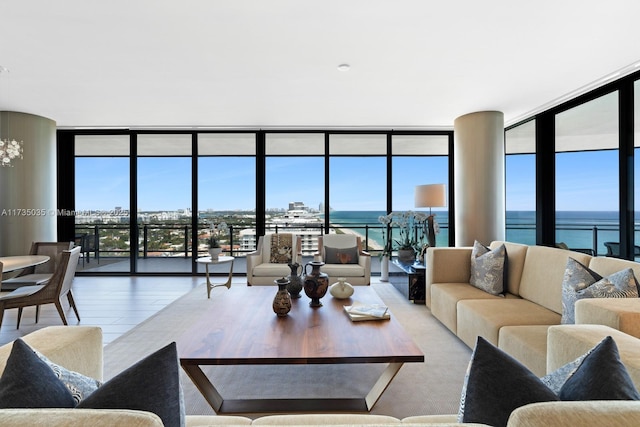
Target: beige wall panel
28	190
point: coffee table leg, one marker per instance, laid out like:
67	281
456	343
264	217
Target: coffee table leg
381	385
215	400
205	387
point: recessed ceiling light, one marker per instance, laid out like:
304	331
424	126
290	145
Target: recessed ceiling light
344	67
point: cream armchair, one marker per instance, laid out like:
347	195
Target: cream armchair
343	257
270	260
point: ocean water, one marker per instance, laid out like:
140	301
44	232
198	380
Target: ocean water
366	223
577	229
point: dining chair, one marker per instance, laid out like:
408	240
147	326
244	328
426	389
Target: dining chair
39	274
52	292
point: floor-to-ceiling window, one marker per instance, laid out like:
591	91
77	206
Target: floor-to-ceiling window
102	202
520	183
358	184
587	174
181	185
419	160
226	184
295	185
164	182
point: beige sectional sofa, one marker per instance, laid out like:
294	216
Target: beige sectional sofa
518	322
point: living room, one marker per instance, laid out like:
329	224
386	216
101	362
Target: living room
322	82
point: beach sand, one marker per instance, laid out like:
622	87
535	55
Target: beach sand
372	244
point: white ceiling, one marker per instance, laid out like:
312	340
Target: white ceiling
415	64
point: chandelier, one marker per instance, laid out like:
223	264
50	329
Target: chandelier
9	150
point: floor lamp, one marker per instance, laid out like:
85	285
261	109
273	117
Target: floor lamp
431	196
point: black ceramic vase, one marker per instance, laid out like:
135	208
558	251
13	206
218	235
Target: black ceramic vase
295	280
282	300
316	283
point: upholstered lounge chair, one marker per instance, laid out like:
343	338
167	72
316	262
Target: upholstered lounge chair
270	260
343	257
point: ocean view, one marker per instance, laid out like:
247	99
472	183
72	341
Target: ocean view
577	229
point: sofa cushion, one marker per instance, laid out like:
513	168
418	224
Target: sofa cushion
343	270
324	419
485	317
55	417
622	314
600	376
268	269
28	382
488	268
495	385
527	344
152	384
581	282
542	275
340	255
587	413
445	297
80	386
608	265
516	254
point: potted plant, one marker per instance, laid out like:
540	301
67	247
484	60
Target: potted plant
412	228
214	240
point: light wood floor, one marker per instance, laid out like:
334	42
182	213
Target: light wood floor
117	304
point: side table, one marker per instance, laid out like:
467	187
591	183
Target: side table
221	260
410	281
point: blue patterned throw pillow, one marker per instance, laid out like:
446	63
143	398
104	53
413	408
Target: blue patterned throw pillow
80	386
488	268
581	282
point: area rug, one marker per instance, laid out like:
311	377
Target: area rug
432	387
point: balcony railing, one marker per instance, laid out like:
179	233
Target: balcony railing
164	240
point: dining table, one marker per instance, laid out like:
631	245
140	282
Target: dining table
19	262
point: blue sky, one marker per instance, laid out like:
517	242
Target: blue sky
227	183
585	181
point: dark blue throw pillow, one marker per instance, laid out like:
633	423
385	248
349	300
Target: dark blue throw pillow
28	382
600	376
152	384
496	385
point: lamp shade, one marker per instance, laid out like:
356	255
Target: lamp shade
430	196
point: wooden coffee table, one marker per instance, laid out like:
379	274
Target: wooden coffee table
240	328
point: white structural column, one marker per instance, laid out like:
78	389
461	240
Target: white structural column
479	178
28	189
